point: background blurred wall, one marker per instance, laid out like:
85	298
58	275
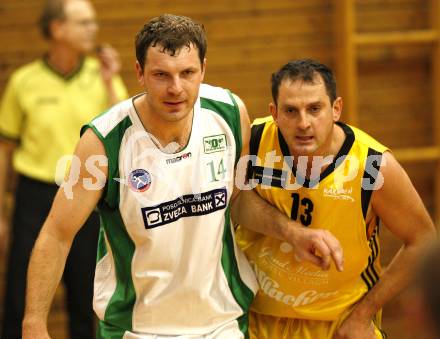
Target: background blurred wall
250	39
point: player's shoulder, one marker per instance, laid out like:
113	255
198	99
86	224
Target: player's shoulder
113	117
263	130
367	140
215	93
263	121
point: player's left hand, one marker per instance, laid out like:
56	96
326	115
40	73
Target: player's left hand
354	328
110	62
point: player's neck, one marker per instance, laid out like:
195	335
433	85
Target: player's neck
337	140
169	136
63	60
330	148
171	139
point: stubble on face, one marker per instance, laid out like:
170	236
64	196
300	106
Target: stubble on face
304	116
172	82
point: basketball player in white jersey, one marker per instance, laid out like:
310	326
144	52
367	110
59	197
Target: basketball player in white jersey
163	166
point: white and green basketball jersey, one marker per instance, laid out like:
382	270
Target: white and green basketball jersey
167	260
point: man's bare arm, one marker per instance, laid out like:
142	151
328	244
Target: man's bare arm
66	217
400	208
248	209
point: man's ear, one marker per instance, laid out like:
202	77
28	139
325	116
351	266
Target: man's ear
273	111
337	109
56	29
139	73
203	69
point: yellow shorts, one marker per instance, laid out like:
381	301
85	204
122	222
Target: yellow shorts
268	327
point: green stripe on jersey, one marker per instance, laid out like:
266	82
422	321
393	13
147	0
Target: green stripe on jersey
112	144
107	331
231	114
102	247
243	295
119	311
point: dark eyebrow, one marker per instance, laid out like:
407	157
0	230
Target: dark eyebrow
314	103
157	70
190	68
288	106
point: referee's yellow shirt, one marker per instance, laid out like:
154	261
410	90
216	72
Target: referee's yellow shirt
44	112
339	201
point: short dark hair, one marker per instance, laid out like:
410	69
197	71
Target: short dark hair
304	70
52	10
172	32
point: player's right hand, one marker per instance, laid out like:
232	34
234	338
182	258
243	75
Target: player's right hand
316	246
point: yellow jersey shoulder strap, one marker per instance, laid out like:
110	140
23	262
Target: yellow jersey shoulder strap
256	133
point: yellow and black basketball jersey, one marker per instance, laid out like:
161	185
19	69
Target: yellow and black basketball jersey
338	200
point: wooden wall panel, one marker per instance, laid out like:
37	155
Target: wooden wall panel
243	35
386	15
250	39
394	102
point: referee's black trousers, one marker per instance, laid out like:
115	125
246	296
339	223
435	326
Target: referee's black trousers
33	200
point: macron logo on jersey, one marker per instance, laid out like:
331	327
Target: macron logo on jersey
185	206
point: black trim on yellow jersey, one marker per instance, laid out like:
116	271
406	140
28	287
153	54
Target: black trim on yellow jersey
376	321
366	193
256	133
270	176
254	145
345	148
369	275
9	139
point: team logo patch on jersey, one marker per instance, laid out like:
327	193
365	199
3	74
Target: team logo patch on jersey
339	194
185	206
139	180
214	143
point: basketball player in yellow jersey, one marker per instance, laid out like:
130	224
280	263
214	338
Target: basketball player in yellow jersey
326	175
